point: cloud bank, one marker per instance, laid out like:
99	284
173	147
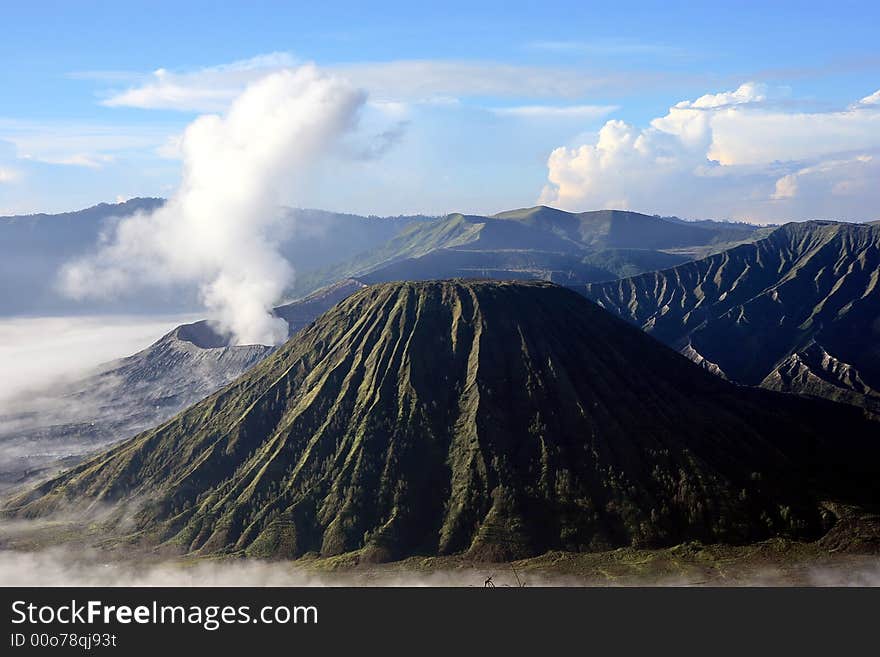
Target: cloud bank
210	89
41	395
40	351
736	153
59	567
216	229
91	145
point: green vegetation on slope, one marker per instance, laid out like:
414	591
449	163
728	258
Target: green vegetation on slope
499	419
534	243
798	310
628	230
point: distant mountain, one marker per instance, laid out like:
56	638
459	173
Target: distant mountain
797	311
534	243
628	230
565	268
136	393
497	419
34	247
69	231
325	247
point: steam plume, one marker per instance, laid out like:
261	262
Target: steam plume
216	228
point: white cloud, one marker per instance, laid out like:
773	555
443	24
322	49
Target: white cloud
762	136
167	93
215	228
44	360
727	154
392	109
208	89
92	566
37	352
61	566
211	89
78	144
425	80
786	187
873	99
830	184
95	161
9	175
583	112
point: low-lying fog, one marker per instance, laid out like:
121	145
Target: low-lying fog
37	352
56	567
40	356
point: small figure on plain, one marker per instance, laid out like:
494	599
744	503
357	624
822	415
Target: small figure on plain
489	584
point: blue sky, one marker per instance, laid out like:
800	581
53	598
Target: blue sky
467	103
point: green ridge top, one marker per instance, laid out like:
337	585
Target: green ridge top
501	419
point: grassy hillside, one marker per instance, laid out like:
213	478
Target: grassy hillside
533	243
497	419
628	230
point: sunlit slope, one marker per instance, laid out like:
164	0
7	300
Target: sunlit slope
501	419
534	243
622	229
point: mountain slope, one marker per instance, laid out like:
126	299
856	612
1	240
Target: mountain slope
33	248
797	307
500	419
533	243
129	395
621	229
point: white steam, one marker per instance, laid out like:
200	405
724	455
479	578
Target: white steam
216	230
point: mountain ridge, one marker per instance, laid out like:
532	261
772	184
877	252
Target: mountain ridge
123	397
493	418
34	248
538	243
806	283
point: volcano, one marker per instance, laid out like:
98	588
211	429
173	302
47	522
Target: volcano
496	419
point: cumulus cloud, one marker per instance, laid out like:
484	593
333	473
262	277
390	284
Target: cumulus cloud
216	229
734	153
833	182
